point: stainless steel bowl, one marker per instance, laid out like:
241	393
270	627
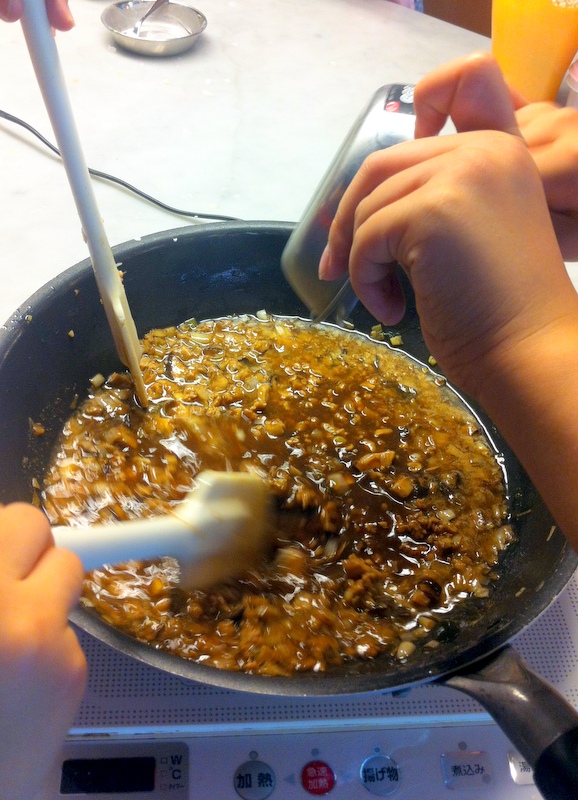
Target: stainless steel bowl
172	29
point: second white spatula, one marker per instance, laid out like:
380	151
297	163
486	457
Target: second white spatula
220	529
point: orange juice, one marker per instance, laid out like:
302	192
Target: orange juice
535	42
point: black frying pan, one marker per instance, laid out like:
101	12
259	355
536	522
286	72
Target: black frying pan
224	268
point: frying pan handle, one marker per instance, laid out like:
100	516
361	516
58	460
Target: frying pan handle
541	724
556	772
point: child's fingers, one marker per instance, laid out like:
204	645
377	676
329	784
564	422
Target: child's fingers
26	535
58	577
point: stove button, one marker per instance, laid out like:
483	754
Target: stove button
380	775
463	770
254	780
520	770
317	778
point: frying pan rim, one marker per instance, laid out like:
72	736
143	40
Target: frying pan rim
325	684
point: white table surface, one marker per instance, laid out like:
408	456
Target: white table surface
244	124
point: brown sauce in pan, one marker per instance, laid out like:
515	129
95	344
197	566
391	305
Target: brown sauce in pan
392	507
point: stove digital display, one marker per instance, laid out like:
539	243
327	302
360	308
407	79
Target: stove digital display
108	775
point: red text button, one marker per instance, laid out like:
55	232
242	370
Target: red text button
317	778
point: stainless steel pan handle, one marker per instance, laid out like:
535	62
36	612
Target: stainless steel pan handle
386	120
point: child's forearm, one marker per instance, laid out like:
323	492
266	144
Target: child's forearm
532	397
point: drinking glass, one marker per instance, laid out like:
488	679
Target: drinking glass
534	42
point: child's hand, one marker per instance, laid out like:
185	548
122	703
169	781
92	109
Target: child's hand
472	92
59	14
551	134
42	666
466	217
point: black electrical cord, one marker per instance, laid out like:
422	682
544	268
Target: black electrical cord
119	181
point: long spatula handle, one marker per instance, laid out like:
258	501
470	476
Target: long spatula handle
140	539
44	54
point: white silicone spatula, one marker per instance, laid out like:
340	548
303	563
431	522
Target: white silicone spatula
44	54
217	532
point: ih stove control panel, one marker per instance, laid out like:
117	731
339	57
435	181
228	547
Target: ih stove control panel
472	762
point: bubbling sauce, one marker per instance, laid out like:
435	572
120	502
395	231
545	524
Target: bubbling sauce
391	502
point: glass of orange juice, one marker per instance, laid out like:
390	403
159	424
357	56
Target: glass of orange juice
534	42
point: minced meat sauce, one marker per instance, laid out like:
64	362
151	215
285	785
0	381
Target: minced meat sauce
391	505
